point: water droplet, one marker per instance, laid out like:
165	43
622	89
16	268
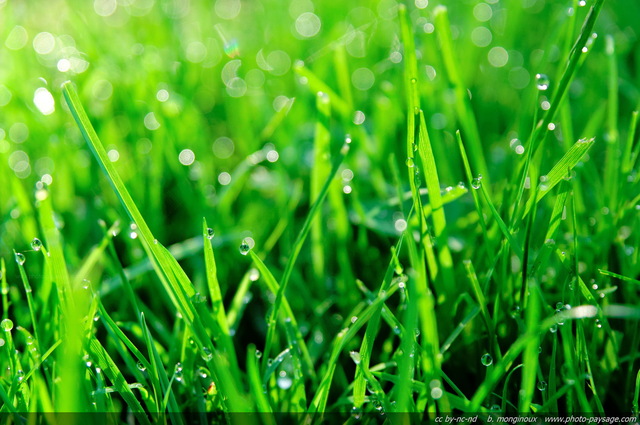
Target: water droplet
204	373
486	359
210	233
356	413
177	372
477	182
141	366
416	177
198	298
354	319
258	353
582	3
1	342
397	330
207	355
560	305
244	247
542	81
598	324
553	329
6	324
410	163
355	356
20	259
20	375
542	385
515	313
461	185
36	244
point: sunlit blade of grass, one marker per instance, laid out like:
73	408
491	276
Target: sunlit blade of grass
618	276
407	360
318	85
296	248
435	200
470	180
216	297
277	119
319	173
630	155
530	355
341	61
477	291
462	104
612	155
28	291
4	288
112	371
559	170
287	312
70	394
256	386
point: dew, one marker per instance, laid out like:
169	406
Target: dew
410	163
477	182
2	342
598	324
354	319
400	225
542	385
582	3
498	56
141	367
198	298
358	117
495	408
553	329
224	178
515	313
416	177
43	99
244	247
20	375
254	274
177	372
204	373
308	24
356	413
210	233
355	356
542	82
186	157
206	354
258	353
544	183
20	259
36	244
6	325
486	359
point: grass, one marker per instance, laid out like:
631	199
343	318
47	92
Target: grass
342	211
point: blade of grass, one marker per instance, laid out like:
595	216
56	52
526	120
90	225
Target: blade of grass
462	104
559	170
296	248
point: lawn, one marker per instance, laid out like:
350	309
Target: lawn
259	211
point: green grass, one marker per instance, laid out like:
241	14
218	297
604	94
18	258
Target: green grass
338	210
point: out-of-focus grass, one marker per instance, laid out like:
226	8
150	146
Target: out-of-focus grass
466	172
